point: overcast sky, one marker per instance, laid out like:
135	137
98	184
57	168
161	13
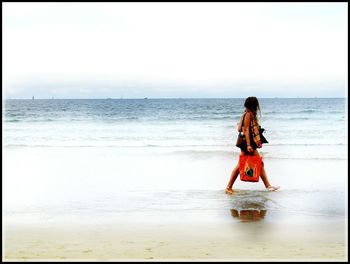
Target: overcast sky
136	50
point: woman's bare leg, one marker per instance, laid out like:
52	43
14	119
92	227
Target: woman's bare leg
264	177
234	175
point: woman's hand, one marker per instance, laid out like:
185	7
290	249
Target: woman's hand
250	149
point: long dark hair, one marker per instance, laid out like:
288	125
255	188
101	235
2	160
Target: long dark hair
252	104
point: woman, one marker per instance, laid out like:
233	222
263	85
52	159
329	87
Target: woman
251	132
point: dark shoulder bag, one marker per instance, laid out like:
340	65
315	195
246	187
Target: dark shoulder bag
262	138
241	141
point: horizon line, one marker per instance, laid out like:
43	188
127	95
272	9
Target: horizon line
160	98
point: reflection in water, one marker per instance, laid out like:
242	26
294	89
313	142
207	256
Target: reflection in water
249	206
248	215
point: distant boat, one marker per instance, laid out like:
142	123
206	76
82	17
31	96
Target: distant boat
33	97
145	98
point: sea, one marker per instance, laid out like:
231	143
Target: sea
293	127
86	157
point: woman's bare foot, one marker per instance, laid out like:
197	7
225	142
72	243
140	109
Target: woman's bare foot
229	191
272	188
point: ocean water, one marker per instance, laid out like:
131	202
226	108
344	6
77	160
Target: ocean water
312	128
105	157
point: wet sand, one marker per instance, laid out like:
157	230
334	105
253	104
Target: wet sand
79	212
245	238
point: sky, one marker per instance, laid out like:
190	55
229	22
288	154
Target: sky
172	50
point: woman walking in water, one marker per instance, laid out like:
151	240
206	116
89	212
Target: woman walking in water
248	122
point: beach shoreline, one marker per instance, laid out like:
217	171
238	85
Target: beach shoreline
75	215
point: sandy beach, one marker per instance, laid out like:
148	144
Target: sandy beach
230	239
76	222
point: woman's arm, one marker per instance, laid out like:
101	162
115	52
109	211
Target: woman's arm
239	124
246	132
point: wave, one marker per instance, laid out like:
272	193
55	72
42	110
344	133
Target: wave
33	120
200	153
85	119
304	111
308	111
297	118
281	156
199	145
13	120
169	120
292	112
307	144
